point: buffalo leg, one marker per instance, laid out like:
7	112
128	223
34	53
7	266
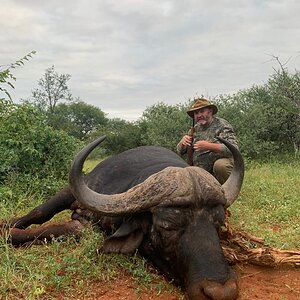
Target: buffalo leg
44	212
19	237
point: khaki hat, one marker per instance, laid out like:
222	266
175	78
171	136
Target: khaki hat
201	103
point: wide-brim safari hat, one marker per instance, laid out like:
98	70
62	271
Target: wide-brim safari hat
201	103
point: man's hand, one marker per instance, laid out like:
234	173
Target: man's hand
186	141
207	146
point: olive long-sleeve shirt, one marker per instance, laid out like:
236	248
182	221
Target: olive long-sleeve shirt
218	127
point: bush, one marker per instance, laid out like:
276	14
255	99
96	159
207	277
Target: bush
164	125
266	118
121	136
31	149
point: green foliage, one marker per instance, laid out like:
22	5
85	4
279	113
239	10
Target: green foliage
164	125
121	136
266	118
78	119
285	89
6	77
31	148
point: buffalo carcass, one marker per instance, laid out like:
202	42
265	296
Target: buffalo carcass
149	199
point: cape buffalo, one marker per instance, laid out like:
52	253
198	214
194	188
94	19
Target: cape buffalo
148	199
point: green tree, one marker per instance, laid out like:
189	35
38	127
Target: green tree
164	124
78	119
266	117
285	90
121	135
245	111
52	89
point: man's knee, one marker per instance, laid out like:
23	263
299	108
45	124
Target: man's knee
222	169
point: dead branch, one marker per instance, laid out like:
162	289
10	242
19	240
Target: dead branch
242	247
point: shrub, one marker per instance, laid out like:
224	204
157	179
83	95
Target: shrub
31	149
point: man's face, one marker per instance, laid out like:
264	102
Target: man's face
203	116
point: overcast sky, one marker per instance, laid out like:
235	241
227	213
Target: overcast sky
127	55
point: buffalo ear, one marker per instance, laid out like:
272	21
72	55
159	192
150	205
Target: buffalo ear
127	244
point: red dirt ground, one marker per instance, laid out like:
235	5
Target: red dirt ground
255	283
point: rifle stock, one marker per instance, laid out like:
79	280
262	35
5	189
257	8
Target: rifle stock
190	149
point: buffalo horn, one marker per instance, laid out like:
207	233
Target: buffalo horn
172	182
233	184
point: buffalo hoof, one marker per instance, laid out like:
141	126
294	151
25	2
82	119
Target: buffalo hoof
84	216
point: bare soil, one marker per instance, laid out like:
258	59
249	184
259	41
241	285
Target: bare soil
255	283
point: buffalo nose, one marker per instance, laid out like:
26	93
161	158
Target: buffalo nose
211	290
217	291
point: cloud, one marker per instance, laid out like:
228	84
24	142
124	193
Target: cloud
127	55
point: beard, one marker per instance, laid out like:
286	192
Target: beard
203	120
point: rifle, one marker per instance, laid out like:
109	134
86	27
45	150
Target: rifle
190	149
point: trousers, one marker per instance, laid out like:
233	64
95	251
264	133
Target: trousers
222	169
